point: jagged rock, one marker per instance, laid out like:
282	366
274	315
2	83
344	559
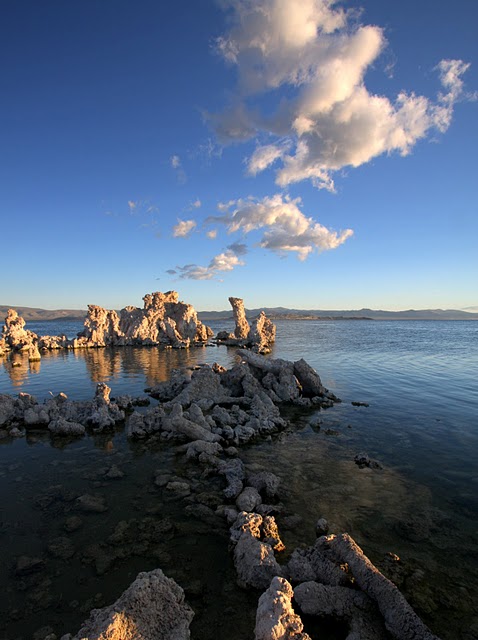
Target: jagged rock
195	448
246	522
270	533
265	482
15	334
241	330
140	425
400	619
262	334
163	320
152	608
259	337
309	379
316	564
321	527
7	409
248	499
62	427
254	559
275	617
234	472
352	606
255	562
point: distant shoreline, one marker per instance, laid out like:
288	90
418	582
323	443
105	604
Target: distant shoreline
30	314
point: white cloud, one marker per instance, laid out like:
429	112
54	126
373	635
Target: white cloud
264	156
175	162
287	229
184	228
211	234
310	59
223	262
196	204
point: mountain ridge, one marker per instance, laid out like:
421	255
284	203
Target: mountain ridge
276	313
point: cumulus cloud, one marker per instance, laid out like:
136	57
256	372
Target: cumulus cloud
286	228
211	234
223	262
196	204
309	58
184	228
175	162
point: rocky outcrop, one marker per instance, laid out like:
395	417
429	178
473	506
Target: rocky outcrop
276	618
61	416
15	335
259	337
333	580
152	608
242	328
209	405
400	619
163	320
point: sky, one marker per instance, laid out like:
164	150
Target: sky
300	153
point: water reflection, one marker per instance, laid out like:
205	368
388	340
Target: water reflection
127	369
18	368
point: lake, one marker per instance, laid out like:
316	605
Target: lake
420	380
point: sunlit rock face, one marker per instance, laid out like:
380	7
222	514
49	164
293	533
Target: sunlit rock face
163	320
259	337
242	328
152	608
14	333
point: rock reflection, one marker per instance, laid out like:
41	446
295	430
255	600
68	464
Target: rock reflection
155	364
17	368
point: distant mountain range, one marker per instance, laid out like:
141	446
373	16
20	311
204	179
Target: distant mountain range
275	313
283	313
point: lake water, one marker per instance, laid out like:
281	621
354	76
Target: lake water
420	380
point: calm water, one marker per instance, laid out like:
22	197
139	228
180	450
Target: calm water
420	380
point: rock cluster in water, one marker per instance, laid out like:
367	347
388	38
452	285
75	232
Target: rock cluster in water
259	337
207	405
210	412
163	320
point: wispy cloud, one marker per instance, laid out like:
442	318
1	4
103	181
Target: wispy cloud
176	164
310	59
223	262
184	228
286	228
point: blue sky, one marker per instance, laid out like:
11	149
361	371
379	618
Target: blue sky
300	153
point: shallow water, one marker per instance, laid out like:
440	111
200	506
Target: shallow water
421	382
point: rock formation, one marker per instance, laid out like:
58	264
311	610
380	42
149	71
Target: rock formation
15	335
333	580
152	608
259	337
163	320
242	328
